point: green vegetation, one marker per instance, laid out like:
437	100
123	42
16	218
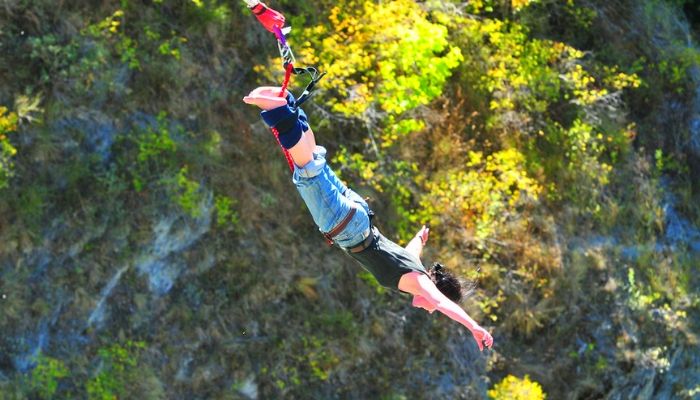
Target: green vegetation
551	145
46	376
387	56
8	125
118	372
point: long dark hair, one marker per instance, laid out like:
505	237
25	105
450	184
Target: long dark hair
449	285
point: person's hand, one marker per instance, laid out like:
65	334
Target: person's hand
482	337
423	234
266	97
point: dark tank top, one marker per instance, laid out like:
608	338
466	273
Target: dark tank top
387	261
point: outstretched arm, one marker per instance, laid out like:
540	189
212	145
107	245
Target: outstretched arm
415	246
419	284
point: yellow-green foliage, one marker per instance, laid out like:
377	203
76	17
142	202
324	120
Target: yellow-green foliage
389	54
395	130
156	142
137	45
523	78
8	124
487	6
638	297
188	194
225	214
518	4
513	388
582	150
480	195
156	148
358	163
209	10
111	29
45	376
118	371
320	357
520	77
191	197
525	73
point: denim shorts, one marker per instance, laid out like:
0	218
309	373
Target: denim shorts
330	201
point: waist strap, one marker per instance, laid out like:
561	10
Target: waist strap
365	243
339	228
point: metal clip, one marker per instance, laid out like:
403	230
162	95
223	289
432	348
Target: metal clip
283	46
286	53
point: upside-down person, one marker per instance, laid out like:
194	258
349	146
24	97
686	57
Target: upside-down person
344	218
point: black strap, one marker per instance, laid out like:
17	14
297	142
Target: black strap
365	243
315	77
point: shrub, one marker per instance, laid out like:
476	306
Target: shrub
512	388
8	125
117	372
390	55
45	376
480	196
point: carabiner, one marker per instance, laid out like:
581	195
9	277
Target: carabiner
283	46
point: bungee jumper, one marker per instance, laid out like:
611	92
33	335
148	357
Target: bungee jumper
344	218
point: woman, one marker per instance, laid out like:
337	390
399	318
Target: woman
345	218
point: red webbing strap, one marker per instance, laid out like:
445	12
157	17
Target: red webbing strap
287	76
288	156
285	83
